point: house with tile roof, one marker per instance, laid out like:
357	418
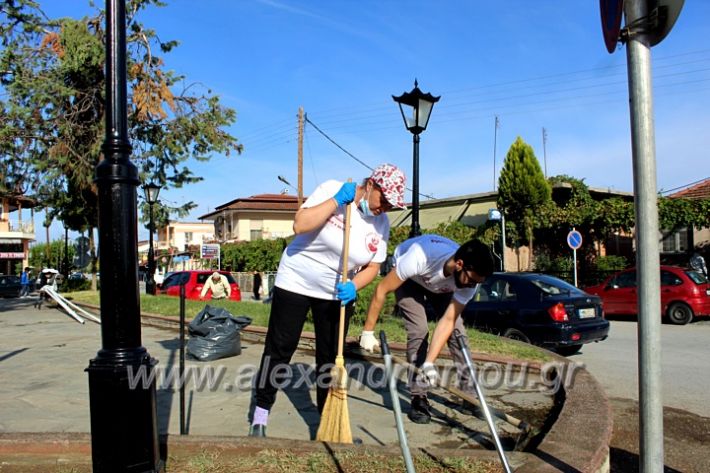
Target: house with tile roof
676	246
262	216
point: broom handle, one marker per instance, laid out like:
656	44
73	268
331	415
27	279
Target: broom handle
346	250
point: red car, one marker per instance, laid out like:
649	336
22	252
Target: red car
194	282
685	293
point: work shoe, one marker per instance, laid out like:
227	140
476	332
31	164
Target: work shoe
257	430
419	410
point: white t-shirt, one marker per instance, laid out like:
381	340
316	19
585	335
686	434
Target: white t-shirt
311	264
422	260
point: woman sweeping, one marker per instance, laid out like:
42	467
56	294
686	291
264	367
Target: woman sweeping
308	276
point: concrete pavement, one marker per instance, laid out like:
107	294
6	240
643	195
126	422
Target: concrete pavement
43	355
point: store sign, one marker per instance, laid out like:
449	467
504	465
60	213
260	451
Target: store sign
210	251
12	255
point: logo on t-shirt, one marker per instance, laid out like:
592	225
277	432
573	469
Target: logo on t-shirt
373	241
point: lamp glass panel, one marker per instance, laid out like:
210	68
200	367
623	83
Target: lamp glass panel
408	112
151	193
424	112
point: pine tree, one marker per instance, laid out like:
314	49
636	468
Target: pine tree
522	191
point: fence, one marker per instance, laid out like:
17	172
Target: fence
246	282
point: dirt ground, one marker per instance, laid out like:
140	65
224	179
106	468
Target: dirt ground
686	446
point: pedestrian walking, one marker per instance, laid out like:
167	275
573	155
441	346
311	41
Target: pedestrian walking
257	285
25	279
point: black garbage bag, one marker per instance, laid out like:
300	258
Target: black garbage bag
214	334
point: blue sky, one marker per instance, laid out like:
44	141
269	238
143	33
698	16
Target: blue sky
534	65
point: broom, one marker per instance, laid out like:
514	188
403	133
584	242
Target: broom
335	420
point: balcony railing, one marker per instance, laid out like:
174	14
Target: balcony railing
17	226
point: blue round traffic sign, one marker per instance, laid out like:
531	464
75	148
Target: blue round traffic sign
574	239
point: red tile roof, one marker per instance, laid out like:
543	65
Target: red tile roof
259	202
697	191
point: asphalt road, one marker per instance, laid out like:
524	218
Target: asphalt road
684	359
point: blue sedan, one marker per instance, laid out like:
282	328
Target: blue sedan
538	309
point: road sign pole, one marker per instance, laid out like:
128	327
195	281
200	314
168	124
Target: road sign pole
638	55
574	261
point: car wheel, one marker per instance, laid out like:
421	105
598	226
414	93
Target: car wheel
679	313
515	334
568	350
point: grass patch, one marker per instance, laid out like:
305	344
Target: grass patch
272	460
169	306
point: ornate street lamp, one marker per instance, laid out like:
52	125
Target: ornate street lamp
415	107
124	417
496	215
151	191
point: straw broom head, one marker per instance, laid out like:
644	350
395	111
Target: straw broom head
335	420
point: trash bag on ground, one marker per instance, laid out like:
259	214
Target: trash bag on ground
214	334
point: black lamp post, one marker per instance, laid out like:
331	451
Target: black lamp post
65	263
124	427
151	191
416	108
496	215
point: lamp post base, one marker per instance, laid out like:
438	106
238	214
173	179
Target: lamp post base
122	397
150	285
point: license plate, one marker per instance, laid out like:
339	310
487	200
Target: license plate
587	313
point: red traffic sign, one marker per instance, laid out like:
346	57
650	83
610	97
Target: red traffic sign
612	11
574	239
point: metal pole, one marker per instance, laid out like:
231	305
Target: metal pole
484	405
66	252
392	385
415	231
124	433
502	232
495	142
183	429
638	55
150	281
574	262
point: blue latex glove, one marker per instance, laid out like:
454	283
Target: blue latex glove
346	194
346	292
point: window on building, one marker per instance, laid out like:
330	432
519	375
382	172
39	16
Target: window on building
675	242
256	230
188	238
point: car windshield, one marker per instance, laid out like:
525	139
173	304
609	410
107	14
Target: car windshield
697	277
552	286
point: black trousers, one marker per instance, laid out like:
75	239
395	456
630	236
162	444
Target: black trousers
288	314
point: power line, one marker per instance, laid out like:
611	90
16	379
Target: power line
352	155
337	145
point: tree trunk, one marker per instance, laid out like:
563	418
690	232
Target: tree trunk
92	253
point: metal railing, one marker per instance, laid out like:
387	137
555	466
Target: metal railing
20	226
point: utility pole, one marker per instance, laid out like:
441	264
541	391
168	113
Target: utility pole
495	141
300	155
544	149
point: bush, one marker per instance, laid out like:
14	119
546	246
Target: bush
558	264
72	285
610	263
364	296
